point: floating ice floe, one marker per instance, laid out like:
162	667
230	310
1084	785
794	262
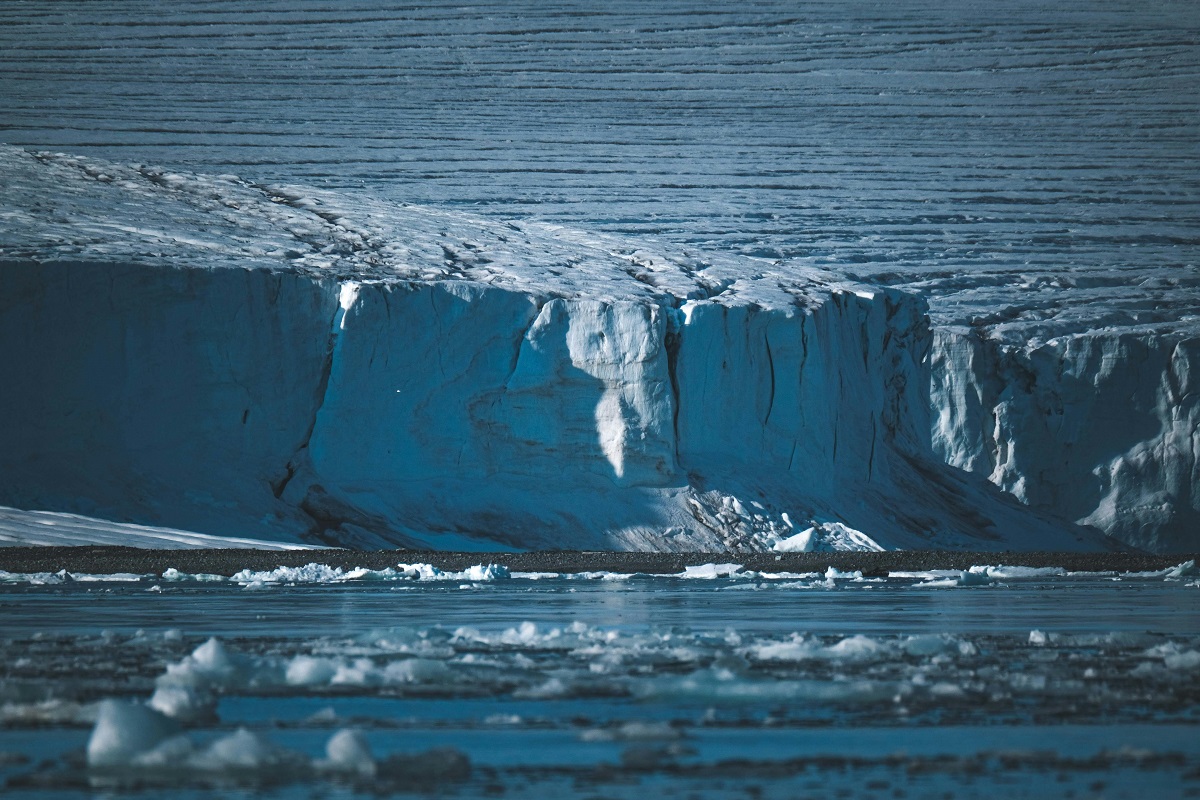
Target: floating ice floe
347	751
315	573
857	649
710	571
979	575
125	731
62	576
56	712
691	669
132	739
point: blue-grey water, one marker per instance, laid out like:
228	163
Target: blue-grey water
571	687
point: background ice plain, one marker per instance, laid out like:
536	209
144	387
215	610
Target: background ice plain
1030	170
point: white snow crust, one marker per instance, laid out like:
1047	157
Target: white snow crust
827	537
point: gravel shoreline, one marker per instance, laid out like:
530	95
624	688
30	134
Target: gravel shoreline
101	560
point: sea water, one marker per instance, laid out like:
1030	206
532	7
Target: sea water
535	684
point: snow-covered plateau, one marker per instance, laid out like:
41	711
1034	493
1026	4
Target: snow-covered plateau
274	362
794	275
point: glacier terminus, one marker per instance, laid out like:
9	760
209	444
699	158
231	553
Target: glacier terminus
547	276
208	353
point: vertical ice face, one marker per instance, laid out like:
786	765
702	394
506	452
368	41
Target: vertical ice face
817	392
478	411
623	345
154	394
1103	428
459	393
458	414
453	406
602	366
393	375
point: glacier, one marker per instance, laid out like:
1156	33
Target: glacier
281	363
1027	171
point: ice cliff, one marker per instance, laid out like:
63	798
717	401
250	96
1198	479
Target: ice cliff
281	363
1101	427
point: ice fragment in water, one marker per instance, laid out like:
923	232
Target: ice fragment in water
347	751
241	750
125	730
710	571
184	703
309	671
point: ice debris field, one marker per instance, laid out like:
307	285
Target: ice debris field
679	278
317	573
718	681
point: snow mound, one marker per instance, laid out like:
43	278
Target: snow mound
827	537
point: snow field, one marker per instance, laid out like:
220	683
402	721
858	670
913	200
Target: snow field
52	529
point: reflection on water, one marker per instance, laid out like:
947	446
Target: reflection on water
567	687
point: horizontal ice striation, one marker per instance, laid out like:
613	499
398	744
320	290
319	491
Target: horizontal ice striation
878	136
398	375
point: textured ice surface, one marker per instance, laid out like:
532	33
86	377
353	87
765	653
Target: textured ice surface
1030	170
1025	157
1102	427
